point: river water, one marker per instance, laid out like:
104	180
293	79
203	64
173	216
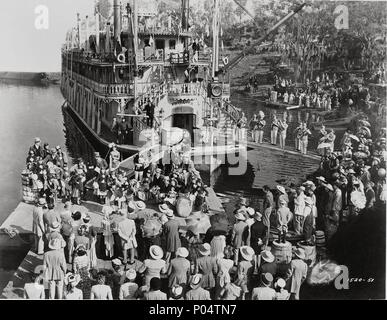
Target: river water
33	111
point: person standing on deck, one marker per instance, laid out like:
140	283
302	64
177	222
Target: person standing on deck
171	230
55	268
297	138
127	233
297	273
274	130
299	206
241	125
304	136
283	128
268	205
254	128
38	227
37	148
35	289
239	234
115	158
260	127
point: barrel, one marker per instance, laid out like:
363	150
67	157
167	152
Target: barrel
320	239
30	195
183	207
25	177
282	251
273	96
310	252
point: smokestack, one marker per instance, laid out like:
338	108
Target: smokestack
117	21
97	34
87	44
185	14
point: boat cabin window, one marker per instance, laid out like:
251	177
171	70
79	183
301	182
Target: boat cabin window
160	44
172	44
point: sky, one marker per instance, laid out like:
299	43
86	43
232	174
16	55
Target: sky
23	47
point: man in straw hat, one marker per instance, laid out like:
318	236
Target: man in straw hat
197	292
239	234
127	233
129	288
55	268
35	289
299	206
283	218
38	227
258	233
268	263
179	268
264	291
171	231
268	205
297	273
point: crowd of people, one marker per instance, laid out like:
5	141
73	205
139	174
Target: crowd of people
327	92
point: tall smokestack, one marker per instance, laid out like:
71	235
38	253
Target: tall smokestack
185	14
117	22
87	44
97	22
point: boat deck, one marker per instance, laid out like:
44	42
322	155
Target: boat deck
21	221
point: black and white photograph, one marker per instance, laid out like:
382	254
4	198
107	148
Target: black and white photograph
206	151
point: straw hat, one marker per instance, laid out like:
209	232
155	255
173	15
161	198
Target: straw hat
37	139
131	274
321	179
156	252
250	211
351	171
240	216
116	262
300	253
182	252
205	249
72	278
170	214
55	225
267	279
42	202
281	189
267	256
140	205
247	253
39	269
258	216
280	283
55	244
164	208
196	281
176	292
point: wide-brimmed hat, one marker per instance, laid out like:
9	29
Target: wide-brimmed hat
300	253
72	278
301	188
131	274
240	216
247	252
86	217
55	244
42	202
196	281
164	208
250	211
280	283
55	225
321	179
351	171
156	252
328	186
258	216
182	252
140	205
281	189
169	214
37	139
205	249
117	262
267	279
177	292
267	256
39	269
